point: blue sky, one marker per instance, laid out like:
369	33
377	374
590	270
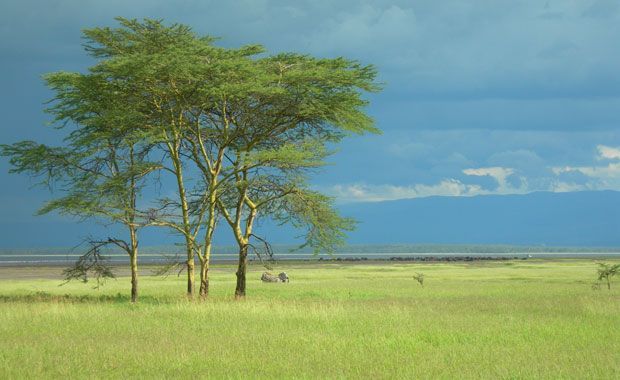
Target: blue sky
481	97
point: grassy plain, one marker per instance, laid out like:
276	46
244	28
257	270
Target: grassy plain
517	319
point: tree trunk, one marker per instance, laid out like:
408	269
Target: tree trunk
242	269
204	270
189	242
134	277
133	258
204	281
190	277
206	259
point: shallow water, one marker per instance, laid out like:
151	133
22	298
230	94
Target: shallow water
17	259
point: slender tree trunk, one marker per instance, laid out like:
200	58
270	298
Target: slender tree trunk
191	278
243	239
243	242
242	269
204	271
186	223
206	259
204	281
134	278
133	257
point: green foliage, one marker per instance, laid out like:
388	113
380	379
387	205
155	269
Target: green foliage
263	122
325	229
103	159
38	160
290	156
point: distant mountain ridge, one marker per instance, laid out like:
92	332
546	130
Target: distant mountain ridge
580	219
539	220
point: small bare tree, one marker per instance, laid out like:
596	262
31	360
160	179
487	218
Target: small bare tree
606	272
92	264
419	277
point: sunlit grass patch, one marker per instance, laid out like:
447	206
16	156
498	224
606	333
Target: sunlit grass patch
534	319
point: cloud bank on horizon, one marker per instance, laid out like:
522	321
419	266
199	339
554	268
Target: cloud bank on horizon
501	181
501	97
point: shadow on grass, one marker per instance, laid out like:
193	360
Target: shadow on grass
72	298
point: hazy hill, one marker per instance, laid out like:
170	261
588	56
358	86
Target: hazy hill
585	219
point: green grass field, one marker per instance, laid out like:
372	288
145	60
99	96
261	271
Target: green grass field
518	319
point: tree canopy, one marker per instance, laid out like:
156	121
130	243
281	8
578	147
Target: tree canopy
240	132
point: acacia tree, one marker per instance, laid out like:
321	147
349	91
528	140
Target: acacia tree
270	123
155	60
101	169
186	81
230	116
281	125
225	75
606	272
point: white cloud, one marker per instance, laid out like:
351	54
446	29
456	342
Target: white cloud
378	193
501	174
498	173
607	152
597	178
529	172
611	171
566	187
601	177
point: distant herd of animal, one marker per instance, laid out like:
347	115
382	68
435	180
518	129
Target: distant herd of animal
268	277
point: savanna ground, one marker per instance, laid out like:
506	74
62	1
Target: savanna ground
517	319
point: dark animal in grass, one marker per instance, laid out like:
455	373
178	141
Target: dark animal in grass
268	277
283	277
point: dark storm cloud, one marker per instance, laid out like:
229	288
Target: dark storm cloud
480	49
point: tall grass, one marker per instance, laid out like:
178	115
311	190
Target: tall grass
522	319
